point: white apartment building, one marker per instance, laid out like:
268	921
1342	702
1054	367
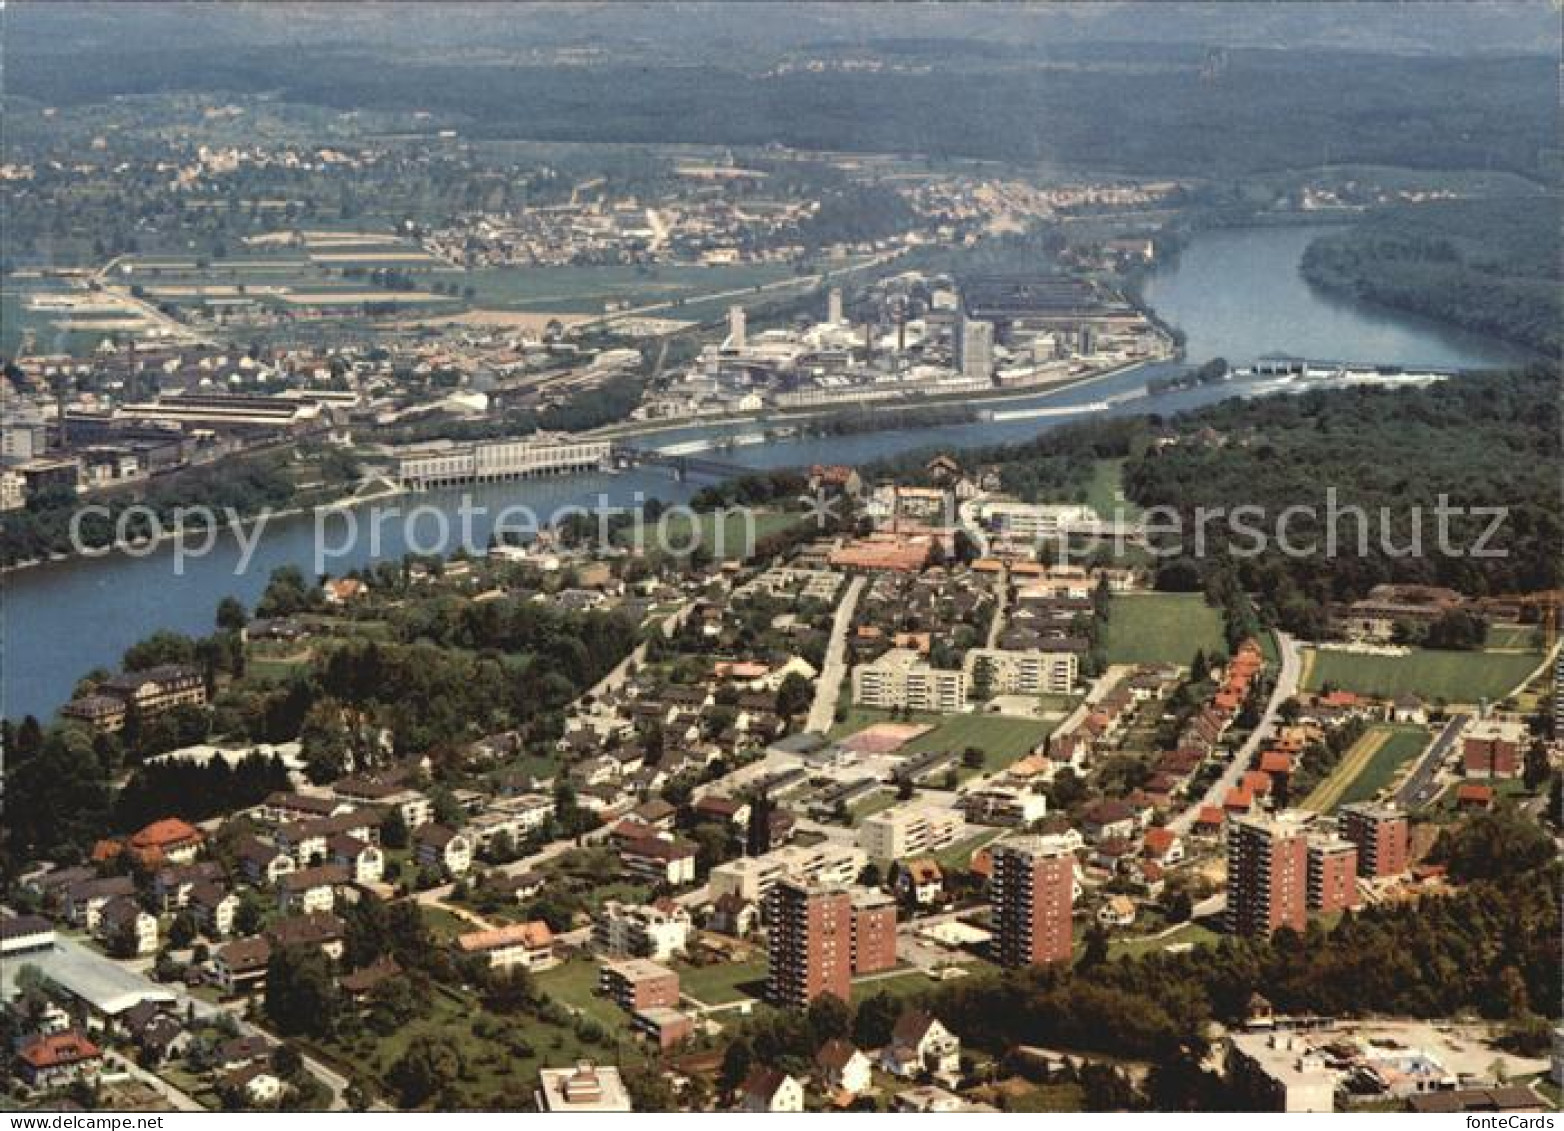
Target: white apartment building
641	930
912	829
901	679
752	877
1004	806
1005	672
1031	521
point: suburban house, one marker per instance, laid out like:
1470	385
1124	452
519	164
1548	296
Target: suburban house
58	1059
127	928
921	881
771	1090
843	1067
921	1045
240	966
311	889
439	846
263	864
254	1085
660	860
364	861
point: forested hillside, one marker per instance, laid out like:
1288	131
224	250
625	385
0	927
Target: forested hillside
1489	441
1492	266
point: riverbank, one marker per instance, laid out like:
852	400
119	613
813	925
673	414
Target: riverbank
237	526
1234	294
790	417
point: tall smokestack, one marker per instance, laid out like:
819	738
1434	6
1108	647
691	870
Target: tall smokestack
736	327
833	306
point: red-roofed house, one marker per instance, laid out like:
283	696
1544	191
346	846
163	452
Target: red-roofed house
167	841
58	1059
1162	845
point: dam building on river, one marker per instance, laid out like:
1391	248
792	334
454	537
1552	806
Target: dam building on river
495	461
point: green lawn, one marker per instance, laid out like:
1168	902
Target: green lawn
734	538
1003	740
1451	677
1105	491
722	982
1162	628
574	984
906	984
1189	933
494	1072
1402	745
1526	636
1048	1097
959	855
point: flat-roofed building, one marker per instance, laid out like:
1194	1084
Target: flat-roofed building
751	878
1001	671
587	1087
657	930
1279	1071
1032	895
811	944
874	931
1267	875
638	983
910	829
902	679
1382	834
1333	874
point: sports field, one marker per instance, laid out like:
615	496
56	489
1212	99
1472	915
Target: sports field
1003	740
1162	628
1450	677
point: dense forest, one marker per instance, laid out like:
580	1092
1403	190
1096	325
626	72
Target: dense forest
1490	441
1263	110
1492	266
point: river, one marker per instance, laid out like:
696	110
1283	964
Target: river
1235	293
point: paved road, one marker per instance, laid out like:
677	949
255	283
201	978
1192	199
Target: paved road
1001	597
829	686
636	658
1420	787
1286	688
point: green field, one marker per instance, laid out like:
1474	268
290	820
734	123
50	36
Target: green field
1002	740
1188	934
1400	747
1105	491
723	982
574	984
1450	677
1524	636
1162	628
